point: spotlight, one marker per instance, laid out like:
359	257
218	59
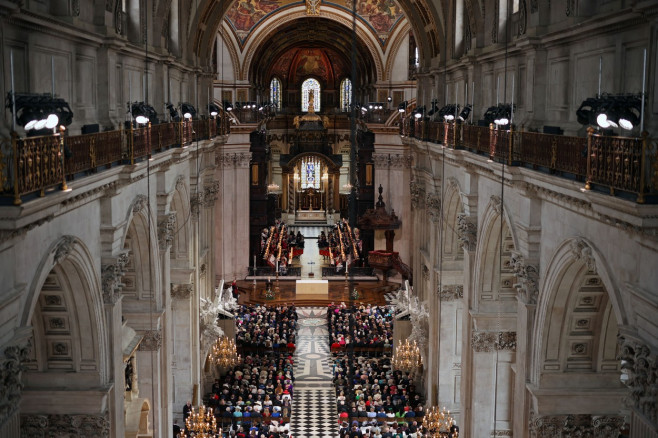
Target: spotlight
188	110
40	111
465	113
389	99
213	109
52	121
143	113
402	107
173	112
228	106
418	115
587	111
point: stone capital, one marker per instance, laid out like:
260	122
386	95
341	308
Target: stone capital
65	425
641	368
417	195
600	426
467	231
580	250
232	160
11	368
491	341
181	291
152	341
210	193
139	203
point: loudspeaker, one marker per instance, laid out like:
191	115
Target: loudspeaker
90	129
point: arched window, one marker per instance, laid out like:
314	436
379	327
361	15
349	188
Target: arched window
308	85
275	92
310	173
345	94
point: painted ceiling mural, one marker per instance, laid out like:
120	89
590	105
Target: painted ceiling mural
297	64
380	15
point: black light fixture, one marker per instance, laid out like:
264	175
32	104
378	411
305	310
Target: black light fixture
503	114
188	110
586	113
402	107
213	109
447	112
228	106
143	113
466	111
173	112
40	111
611	111
420	111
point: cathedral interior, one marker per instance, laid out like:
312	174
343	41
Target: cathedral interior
498	157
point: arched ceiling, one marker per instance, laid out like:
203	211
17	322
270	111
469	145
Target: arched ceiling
427	19
311	47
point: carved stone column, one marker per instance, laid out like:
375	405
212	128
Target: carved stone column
150	376
231	214
527	276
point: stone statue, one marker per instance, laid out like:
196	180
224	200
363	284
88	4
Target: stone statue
311	101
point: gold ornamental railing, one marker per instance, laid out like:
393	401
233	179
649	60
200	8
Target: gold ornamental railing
619	164
35	164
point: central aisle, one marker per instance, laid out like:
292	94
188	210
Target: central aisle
314	412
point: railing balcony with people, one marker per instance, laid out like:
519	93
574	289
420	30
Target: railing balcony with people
621	165
34	164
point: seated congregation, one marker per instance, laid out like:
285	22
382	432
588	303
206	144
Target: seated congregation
371	326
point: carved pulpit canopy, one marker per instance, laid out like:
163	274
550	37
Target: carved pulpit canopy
378	218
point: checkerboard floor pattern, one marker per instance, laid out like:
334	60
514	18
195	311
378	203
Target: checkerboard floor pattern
314	412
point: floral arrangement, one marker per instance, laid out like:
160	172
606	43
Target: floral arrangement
355	294
270	294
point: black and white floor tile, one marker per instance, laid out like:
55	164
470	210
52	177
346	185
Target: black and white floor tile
314	401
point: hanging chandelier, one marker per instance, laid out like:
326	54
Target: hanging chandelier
202	424
224	353
438	423
407	357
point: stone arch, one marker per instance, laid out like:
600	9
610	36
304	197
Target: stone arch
141	241
65	309
579	312
493	282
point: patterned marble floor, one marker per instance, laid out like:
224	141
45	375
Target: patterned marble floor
314	402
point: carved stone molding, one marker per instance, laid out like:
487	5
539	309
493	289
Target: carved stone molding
641	368
112	271
584	425
582	251
400	161
180	183
497	203
152	341
63	248
181	291
11	367
504	432
83	426
140	202
166	230
528	278
451	292
210	194
233	160
380	160
433	204
417	194
202	271
426	273
491	341
467	231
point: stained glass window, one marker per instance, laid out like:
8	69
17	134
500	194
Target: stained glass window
310	173
275	92
345	94
308	85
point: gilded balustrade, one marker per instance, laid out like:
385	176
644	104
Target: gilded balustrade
90	151
38	164
475	138
164	135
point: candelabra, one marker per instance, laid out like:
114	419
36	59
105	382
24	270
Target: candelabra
202	424
407	357
438	423
224	353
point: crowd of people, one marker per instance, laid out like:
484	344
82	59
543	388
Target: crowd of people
374	400
254	398
361	326
268	327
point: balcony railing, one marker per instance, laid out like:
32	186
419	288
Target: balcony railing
35	164
618	164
